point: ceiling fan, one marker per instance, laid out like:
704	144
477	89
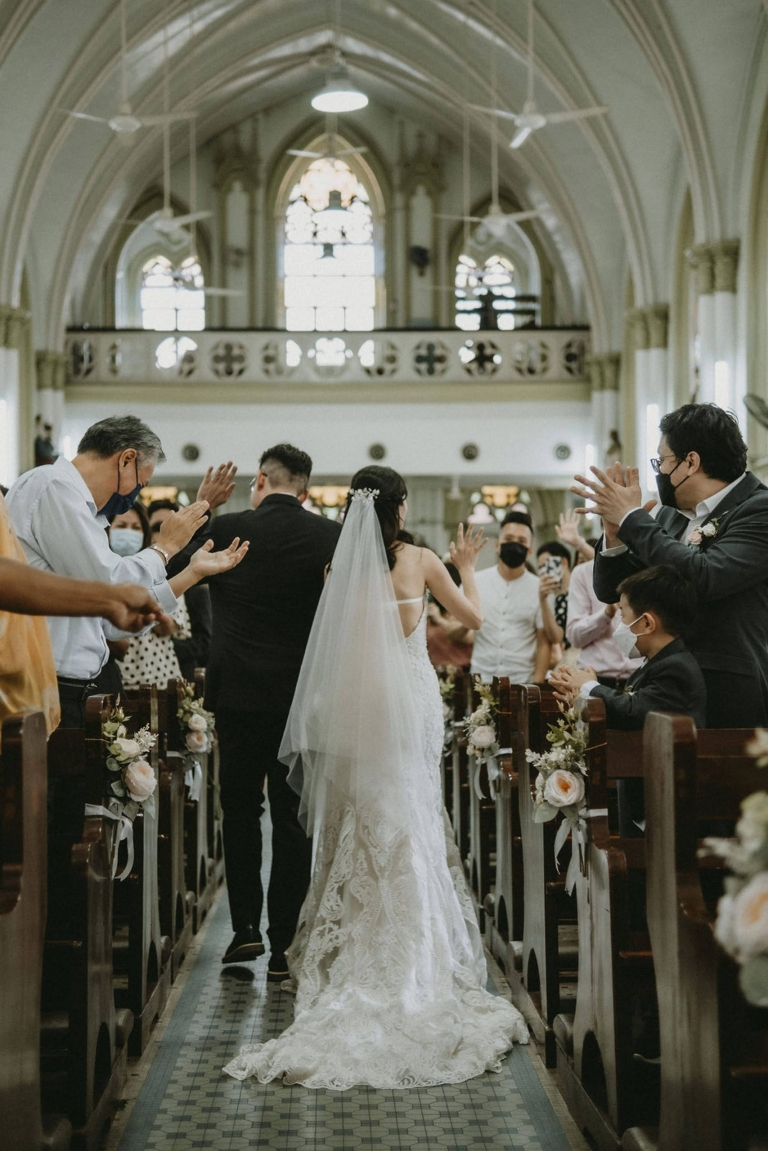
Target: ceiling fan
758	409
496	220
531	119
125	121
332	152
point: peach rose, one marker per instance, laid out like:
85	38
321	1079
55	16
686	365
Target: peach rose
483	736
140	780
197	723
564	788
750	916
197	741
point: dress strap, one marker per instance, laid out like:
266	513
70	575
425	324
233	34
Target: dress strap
418	599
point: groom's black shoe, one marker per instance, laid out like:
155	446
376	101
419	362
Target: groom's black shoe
244	947
277	969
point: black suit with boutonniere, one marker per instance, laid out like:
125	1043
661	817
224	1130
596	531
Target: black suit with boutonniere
728	567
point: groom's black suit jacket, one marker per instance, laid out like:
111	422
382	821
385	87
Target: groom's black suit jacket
263	609
730	574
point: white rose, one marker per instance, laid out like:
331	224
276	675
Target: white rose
750	916
197	741
140	780
197	723
709	529
483	736
724	924
125	748
563	788
752	828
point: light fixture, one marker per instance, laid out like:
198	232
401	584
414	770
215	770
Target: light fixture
334	214
339	93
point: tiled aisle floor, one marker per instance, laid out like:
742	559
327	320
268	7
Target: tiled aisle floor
178	1098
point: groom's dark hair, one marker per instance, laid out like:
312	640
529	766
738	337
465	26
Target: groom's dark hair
713	433
286	467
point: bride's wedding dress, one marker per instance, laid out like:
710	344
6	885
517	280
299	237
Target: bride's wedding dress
388	960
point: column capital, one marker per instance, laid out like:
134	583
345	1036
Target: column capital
604	368
715	266
650	325
12	323
51	370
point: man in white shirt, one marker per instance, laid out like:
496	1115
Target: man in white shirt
60	517
590	628
512	641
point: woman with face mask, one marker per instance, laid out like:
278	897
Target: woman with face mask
151	657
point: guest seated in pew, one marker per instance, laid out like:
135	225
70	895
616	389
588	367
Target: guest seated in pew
658	606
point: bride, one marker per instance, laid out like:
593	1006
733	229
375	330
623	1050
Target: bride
387	960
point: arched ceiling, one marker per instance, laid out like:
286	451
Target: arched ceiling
675	73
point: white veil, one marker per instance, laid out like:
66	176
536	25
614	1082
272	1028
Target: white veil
353	728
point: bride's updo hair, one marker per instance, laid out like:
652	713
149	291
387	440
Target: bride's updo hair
392	492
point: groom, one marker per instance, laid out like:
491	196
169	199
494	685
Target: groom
261	624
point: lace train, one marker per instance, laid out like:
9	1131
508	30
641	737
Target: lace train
388	959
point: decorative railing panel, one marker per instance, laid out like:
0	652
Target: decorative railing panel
262	357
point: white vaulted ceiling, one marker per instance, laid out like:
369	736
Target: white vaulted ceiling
681	77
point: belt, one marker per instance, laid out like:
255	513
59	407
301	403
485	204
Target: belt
80	688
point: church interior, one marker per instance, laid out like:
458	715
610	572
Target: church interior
489	244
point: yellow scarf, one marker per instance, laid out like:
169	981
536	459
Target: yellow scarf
27	670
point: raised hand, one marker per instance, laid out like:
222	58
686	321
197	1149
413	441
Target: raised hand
568	529
548	585
179	528
205	562
218	485
613	492
465	551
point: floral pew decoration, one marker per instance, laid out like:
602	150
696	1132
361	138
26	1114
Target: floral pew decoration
560	788
741	926
482	737
197	726
131	782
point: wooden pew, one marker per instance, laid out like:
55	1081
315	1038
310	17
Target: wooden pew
214	812
605	1088
504	906
141	951
83	1038
460	766
714	1045
23	851
549	954
481	857
176	901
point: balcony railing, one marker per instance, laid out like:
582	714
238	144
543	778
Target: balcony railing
286	358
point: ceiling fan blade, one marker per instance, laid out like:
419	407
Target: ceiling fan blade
496	112
351	152
577	114
85	116
531	214
473	219
171	118
174	223
308	155
521	136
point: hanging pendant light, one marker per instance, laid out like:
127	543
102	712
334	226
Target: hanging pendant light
339	93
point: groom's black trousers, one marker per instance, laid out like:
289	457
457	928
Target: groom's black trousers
248	744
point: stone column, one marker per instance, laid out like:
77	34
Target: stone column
650	327
15	420
51	378
604	371
716	268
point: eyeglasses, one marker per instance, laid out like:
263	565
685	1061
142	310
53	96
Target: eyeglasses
657	461
253	482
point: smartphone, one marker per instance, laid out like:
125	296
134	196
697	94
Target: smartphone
553	566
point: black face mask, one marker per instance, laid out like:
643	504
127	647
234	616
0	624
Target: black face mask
513	555
666	488
117	505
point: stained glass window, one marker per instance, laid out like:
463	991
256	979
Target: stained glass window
172	295
487	295
328	256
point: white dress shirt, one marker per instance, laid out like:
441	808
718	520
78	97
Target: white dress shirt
506	643
591	630
57	522
703	511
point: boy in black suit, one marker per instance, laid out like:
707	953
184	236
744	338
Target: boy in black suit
658	607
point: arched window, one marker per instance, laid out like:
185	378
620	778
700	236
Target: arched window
488	295
329	258
172	297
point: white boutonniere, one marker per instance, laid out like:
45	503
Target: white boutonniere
706	532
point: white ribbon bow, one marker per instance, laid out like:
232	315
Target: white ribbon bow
193	779
123	830
576	828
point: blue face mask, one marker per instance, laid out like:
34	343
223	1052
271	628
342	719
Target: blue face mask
116	505
125	541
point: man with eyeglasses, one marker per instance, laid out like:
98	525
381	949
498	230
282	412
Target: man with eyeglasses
712	526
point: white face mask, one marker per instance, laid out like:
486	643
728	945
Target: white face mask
625	638
126	541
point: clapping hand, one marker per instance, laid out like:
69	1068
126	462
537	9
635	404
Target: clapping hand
205	562
218	485
178	529
613	492
465	551
567	682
